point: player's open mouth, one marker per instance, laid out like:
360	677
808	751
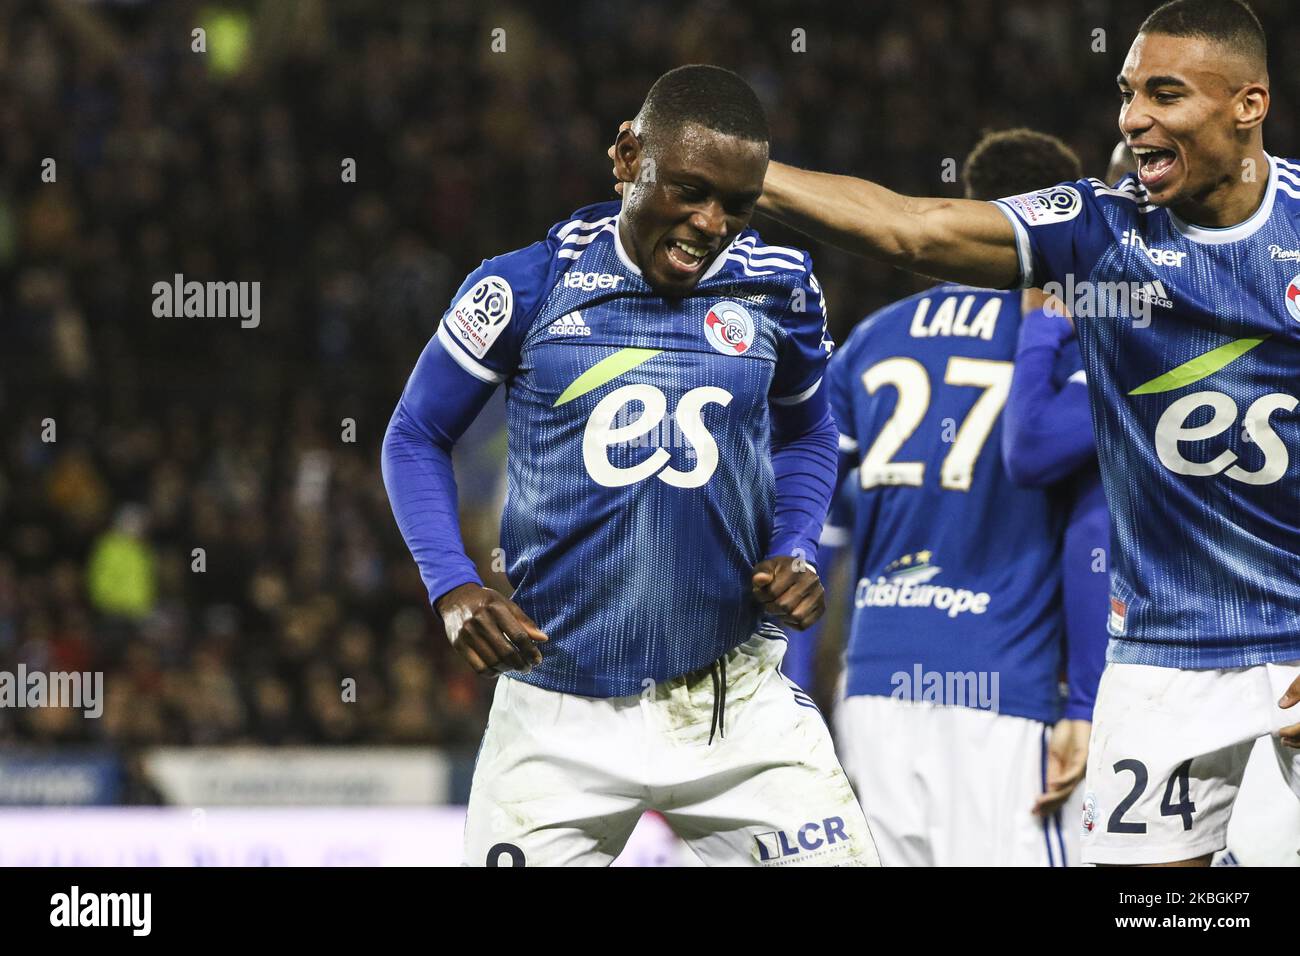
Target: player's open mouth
685	257
1154	164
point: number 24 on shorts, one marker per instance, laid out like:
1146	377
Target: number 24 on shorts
1183	808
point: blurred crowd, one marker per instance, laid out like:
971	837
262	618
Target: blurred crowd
195	508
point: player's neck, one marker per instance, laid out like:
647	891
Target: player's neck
624	235
1234	200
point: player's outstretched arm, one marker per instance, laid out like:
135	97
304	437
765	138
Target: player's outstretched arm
960	240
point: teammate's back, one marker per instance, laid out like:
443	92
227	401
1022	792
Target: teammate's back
957	568
952	702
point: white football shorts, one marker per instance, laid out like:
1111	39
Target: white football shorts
953	786
1168	751
563	779
1265	827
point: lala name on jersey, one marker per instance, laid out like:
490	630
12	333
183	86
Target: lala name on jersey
953	317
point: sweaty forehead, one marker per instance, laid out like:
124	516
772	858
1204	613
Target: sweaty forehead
696	149
1201	63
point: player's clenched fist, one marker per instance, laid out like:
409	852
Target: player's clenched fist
491	632
790	589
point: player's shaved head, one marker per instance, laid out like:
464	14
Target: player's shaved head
1013	161
1230	24
1194	94
693	163
708	96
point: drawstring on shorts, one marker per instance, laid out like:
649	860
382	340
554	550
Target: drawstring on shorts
718	671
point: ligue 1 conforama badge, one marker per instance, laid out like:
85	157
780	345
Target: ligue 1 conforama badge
1089	812
1058	204
481	313
1293	298
729	328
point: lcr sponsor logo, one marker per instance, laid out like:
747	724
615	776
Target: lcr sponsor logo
816	835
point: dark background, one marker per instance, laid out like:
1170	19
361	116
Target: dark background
176	433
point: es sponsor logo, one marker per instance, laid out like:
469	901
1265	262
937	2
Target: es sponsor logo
606	429
1278	254
1174	428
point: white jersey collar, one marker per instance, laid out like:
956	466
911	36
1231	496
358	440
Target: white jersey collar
1242	230
712	270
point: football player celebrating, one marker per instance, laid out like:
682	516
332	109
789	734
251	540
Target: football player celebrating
1184	283
671	460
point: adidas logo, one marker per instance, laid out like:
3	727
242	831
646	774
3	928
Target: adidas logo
569	324
1153	293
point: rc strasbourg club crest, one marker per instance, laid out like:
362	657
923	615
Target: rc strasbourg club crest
729	328
1293	298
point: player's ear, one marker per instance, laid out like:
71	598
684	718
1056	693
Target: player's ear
1251	106
627	156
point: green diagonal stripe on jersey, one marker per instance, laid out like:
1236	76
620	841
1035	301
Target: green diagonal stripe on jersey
607	369
1198	368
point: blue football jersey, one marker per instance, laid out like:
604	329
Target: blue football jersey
957	596
1191	342
640	481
